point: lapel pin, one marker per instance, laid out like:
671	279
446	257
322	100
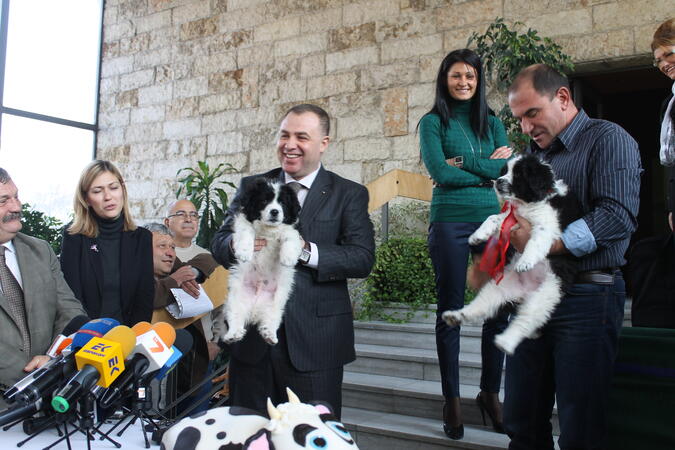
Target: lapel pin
94	248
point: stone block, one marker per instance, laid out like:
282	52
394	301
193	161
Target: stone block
358	126
181	128
116	31
415	5
191	87
598	45
399	74
348	59
127	99
154	21
114	118
262	160
414	116
146	132
190	11
371	171
350	37
249	89
276	31
283	92
395	106
233	5
117	66
643	37
243	18
422	94
577	21
405	147
137	79
133	8
252	56
334	154
232	40
181	108
110	50
321	21
367	149
219	122
218	6
110	15
408	48
220	102
456	38
429	66
220	62
261	138
147	114
199	28
610	16
331	85
470	12
356	104
109	85
256	117
280	70
312	66
350	171
410	25
119	153
135	44
224	143
110	137
152	95
224	81
152	58
365	11
302	45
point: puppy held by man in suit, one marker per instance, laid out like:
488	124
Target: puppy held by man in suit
35	301
316	338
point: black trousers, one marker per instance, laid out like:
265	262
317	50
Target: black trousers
252	384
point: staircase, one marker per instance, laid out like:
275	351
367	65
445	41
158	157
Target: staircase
392	394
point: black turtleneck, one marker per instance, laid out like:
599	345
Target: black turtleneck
109	240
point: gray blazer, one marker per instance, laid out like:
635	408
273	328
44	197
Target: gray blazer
318	317
50	305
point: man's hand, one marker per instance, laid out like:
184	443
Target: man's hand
213	349
520	234
191	287
37	362
502	152
183	274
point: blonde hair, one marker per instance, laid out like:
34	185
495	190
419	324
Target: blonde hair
85	220
664	34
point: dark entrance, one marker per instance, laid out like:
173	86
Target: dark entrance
632	98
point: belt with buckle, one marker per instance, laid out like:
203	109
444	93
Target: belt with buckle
598	276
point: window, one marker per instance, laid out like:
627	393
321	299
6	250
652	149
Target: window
49	72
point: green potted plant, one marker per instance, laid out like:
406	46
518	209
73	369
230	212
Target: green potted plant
38	224
203	187
505	52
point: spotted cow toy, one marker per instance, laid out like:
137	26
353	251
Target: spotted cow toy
292	425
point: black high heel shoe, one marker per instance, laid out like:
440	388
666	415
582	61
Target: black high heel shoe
497	426
451	431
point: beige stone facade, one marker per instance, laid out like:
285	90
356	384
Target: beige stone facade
189	80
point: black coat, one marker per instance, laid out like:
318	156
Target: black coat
83	270
318	316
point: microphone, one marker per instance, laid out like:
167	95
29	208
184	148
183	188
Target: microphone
64	339
41	381
100	362
153	350
182	345
19	411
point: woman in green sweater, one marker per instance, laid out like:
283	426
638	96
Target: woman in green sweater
463	148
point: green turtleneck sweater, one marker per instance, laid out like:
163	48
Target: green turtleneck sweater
456	197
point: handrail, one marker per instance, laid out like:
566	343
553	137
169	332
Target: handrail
398	183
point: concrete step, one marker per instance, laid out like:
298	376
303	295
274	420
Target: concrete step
374	430
416	398
411	335
412	363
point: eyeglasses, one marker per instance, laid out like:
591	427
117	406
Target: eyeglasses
184	215
657	62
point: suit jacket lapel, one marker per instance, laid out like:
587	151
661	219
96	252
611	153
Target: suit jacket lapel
316	196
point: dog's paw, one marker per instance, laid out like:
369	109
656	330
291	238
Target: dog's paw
505	344
452	318
476	239
289	256
270	336
234	335
243	250
523	265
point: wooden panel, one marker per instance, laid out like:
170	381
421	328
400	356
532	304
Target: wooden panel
414	185
215	287
398	183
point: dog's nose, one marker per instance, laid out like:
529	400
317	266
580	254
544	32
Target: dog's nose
274	212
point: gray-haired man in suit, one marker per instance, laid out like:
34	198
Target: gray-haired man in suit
316	338
35	301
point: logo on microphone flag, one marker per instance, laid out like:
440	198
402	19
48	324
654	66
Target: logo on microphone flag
106	356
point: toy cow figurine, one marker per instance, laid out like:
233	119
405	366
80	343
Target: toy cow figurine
292	425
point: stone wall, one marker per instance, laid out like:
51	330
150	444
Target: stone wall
186	80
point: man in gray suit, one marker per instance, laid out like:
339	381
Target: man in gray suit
35	302
316	338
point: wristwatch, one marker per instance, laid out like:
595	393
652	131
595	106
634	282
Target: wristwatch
306	253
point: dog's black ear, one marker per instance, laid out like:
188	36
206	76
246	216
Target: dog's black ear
255	197
532	179
290	204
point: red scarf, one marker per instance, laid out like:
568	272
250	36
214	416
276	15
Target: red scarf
494	256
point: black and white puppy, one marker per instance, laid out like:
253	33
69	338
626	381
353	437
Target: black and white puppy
261	281
532	278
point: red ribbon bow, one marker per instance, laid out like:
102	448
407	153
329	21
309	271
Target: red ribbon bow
494	256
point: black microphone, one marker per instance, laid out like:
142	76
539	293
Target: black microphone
19	411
